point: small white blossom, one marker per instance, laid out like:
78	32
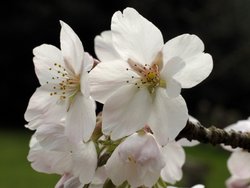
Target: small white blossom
139	79
64	90
52	152
138	160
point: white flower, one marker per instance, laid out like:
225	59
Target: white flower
52	152
140	78
138	160
64	87
238	165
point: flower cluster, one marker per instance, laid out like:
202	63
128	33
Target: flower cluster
139	80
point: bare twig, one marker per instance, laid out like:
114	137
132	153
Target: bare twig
213	135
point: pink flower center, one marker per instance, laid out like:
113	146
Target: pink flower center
148	75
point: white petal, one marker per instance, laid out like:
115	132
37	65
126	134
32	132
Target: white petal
52	115
237	182
50	129
115	168
198	186
108	77
85	162
198	65
48	161
100	176
126	111
173	88
51	137
40	103
134	174
84	84
173	66
81	119
151	178
135	37
174	156
196	70
45	56
183	46
186	143
72	49
195	186
237	164
104	48
168	116
242	125
88	61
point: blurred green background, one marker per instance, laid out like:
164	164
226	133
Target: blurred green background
220	100
15	170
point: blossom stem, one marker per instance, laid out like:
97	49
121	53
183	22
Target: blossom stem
214	136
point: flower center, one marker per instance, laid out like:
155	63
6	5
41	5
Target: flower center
65	83
148	76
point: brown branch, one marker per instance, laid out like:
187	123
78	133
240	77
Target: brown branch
214	136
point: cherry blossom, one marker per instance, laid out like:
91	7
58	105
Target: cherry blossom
138	160
64	89
139	79
52	152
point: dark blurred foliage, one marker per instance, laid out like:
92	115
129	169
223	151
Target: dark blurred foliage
223	25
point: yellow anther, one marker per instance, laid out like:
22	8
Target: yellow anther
151	75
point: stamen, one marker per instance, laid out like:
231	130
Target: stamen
149	74
68	84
